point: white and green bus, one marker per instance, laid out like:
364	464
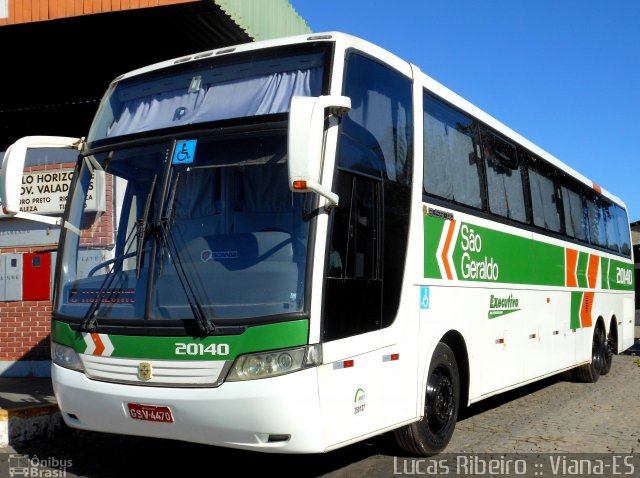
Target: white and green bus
317	243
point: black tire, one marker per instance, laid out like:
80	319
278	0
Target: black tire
432	433
609	349
591	372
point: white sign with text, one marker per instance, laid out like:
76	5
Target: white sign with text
45	192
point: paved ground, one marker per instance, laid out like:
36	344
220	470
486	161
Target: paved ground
557	416
560	416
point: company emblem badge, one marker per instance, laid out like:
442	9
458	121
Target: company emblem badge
144	371
359	402
209	255
206	255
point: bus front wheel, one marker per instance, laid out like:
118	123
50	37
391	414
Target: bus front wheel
432	433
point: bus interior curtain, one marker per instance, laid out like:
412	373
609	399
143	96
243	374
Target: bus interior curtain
449	172
258	95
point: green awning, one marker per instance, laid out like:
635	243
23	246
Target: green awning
265	19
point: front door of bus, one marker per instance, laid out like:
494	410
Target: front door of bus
349	382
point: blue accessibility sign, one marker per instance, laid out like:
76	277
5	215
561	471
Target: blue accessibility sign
425	301
185	151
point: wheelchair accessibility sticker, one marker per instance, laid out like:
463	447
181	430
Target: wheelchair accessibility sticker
424	297
184	152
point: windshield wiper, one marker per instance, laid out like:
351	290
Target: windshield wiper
167	241
89	322
142	226
200	316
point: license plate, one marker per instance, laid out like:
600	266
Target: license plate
150	413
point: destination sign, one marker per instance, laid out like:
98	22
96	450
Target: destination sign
45	192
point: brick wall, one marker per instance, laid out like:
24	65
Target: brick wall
25	326
24	330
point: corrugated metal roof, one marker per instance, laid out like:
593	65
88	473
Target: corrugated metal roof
61	97
259	19
265	19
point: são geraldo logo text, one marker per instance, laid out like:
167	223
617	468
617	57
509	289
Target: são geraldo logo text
484	269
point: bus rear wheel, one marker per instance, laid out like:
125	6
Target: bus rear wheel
591	372
432	433
609	349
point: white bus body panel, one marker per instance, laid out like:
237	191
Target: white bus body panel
536	341
236	414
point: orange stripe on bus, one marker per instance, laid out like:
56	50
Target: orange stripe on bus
585	309
592	271
572	262
99	345
445	249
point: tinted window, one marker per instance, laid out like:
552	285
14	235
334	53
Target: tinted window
519	185
354	245
597	229
617	227
353	288
373	181
377	131
544	204
611	226
451	165
217	88
624	240
574	214
504	178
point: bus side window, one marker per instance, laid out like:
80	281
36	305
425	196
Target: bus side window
504	178
451	159
574	213
597	228
611	225
544	201
623	229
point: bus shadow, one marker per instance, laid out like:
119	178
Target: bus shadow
93	454
506	397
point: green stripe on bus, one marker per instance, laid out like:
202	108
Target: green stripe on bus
506	258
254	339
604	268
583	263
576	302
432	231
621	275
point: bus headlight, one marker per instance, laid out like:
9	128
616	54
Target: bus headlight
274	363
65	357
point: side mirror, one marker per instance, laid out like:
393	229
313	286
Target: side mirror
306	134
13	167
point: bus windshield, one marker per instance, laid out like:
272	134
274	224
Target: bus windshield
205	226
213	89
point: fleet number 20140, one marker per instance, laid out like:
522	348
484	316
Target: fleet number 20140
201	349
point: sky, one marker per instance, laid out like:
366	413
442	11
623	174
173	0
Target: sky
565	74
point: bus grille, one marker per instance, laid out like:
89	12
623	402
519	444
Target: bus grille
164	373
